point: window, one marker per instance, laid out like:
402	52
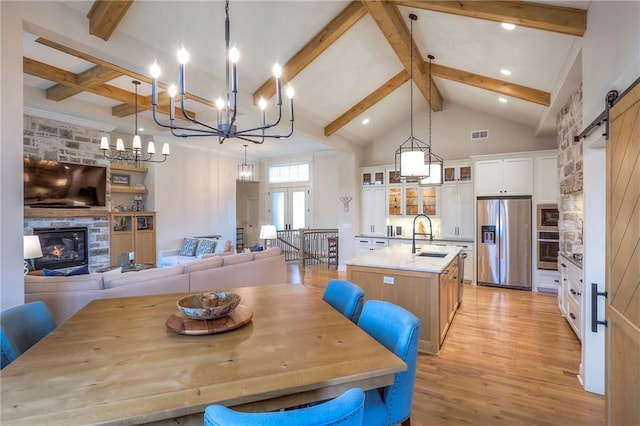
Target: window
285	173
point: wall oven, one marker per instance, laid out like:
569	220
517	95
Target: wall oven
548	237
548	246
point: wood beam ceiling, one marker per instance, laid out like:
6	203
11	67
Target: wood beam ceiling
105	15
89	81
366	103
318	44
564	20
390	22
487	83
66	79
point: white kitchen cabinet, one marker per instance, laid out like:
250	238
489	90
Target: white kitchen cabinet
457	172
372	211
546	179
457	211
508	176
366	245
372	176
547	281
571	287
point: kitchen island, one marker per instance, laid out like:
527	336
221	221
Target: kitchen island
426	283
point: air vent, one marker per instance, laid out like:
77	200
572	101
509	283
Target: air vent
479	134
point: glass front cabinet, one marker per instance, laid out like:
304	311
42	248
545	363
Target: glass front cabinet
411	199
457	172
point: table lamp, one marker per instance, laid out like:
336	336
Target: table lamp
32	250
268	233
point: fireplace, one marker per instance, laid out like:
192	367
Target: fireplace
62	247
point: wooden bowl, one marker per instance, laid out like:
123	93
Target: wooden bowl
195	306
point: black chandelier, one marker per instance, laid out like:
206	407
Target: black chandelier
227	108
133	155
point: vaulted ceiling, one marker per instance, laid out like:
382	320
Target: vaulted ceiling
347	61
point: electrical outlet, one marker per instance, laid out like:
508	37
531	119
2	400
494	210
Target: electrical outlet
388	280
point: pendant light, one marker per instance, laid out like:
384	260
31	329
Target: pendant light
414	159
245	170
134	154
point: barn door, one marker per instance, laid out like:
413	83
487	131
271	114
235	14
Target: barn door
623	261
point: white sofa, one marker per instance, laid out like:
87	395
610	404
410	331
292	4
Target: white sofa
66	295
171	257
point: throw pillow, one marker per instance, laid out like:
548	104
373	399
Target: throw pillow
80	270
52	273
188	247
223	246
205	247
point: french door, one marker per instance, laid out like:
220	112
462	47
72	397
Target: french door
289	207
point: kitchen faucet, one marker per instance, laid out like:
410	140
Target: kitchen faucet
413	242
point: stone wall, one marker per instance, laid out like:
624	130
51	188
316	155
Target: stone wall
570	158
48	139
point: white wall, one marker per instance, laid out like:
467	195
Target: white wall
451	136
194	193
11	185
610	53
325	203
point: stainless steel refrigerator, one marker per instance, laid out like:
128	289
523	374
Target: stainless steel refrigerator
504	242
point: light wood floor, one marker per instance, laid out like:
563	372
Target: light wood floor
509	359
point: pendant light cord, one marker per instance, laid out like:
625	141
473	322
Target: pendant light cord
430	92
412	17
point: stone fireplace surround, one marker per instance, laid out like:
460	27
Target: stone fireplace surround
59	141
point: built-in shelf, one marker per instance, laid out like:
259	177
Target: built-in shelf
128	190
123	167
64	212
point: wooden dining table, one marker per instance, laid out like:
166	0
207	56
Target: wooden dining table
117	362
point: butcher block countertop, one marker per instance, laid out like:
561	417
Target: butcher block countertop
400	257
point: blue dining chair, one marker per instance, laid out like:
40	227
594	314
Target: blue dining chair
346	297
22	327
344	410
398	330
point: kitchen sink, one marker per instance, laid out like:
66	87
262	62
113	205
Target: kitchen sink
432	254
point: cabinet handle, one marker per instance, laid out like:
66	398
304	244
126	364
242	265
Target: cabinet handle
573	292
573	317
557	281
563	265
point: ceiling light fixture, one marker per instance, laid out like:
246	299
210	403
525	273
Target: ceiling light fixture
227	108
508	26
365	121
245	170
133	155
413	159
505	71
503	100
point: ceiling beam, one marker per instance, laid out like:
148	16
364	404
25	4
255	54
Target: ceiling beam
564	20
124	71
366	103
318	44
105	15
92	77
492	84
390	22
66	79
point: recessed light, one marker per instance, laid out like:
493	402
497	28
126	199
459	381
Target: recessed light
140	129
505	71
365	121
507	26
503	100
